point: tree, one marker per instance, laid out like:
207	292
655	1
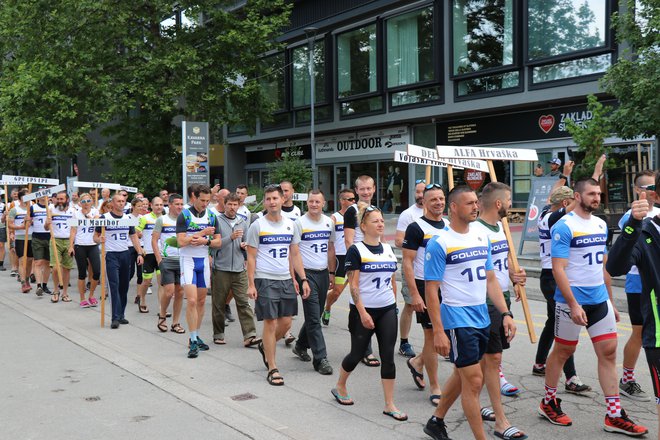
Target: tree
291	167
127	69
635	78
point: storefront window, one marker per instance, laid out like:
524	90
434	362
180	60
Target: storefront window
300	68
483	34
489	83
571	69
559	27
357	71
410	48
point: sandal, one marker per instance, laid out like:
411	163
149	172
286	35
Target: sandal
66	299
55	297
435	399
487	415
219	341
511	433
275	380
252	341
509	390
260	346
162	326
370	361
396	415
417	376
342	400
176	328
143	309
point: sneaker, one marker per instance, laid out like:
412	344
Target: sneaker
47	290
149	291
289	338
574	385
93	302
123	321
33	279
633	391
538	371
229	316
436	429
325	318
115	324
193	350
552	411
3	268
13	273
39	291
624	425
25	288
301	353
201	345
405	349
84	304
323	367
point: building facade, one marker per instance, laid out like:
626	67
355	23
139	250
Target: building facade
446	72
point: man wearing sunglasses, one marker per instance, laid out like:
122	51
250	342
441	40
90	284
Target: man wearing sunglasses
628	386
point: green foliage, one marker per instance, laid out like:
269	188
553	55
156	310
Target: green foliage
635	78
258	205
589	136
292	168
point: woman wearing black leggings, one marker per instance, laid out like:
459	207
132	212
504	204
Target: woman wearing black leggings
86	252
371	267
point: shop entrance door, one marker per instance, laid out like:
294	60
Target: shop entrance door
341	182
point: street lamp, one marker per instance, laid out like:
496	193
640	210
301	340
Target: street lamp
310	32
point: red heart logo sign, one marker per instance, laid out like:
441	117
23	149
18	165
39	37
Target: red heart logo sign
546	122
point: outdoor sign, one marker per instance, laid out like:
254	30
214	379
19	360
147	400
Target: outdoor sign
363	143
538	196
20	180
483	153
44	193
474	178
195	153
432	154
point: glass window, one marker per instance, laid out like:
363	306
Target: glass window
418	96
360	106
482	34
571	69
272	81
321	113
300	67
357	71
489	83
558	27
410	48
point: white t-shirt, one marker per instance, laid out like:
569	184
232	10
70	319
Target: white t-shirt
272	241
314	240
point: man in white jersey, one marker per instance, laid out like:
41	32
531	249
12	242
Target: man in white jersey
273	261
365	187
408	216
583	299
459	260
346	199
317	249
75	200
41	249
60	213
118	258
417	235
150	266
628	386
197	230
494	204
17	220
167	258
243	211
3	234
292	212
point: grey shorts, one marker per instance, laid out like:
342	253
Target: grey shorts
170	271
405	292
275	299
3	235
41	249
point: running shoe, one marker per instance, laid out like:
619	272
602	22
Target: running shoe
193	350
229	316
623	425
13	273
552	411
633	391
325	318
405	349
301	353
289	338
324	367
436	429
536	371
47	290
201	345
576	386
3	268
39	291
84	304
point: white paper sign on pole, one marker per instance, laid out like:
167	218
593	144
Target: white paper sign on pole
44	192
426	154
129	189
100	222
250	199
100	185
403	157
299	197
18	180
484	153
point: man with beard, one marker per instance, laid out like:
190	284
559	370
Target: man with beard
58	224
584	299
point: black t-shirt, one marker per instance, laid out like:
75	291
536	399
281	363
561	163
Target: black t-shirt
353	258
350	218
556	216
414	237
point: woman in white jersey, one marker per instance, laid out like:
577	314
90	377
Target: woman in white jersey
371	267
86	252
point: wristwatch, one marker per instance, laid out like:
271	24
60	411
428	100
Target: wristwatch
562	176
508	313
331	272
208	242
303	280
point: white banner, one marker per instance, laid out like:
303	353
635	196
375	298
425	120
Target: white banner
402	156
18	180
112	186
448	151
364	143
250	199
44	192
128	189
299	197
431	154
100	222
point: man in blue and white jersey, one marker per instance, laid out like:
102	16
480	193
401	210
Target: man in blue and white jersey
459	261
272	263
628	386
118	258
583	299
197	230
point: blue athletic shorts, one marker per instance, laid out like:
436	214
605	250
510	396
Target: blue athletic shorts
467	345
196	271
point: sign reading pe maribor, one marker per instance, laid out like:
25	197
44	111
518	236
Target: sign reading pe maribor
195	153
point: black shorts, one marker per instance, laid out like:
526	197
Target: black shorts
496	338
150	265
340	271
653	359
635	308
20	247
423	318
3	235
467	345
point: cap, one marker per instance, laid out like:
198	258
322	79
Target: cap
560	194
555	161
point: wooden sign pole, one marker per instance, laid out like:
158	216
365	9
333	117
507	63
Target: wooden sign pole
103	277
25	245
520	290
427	174
450	176
53	244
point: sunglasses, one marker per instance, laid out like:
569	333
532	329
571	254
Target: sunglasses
371	208
433	186
420	181
650	187
85	201
352	199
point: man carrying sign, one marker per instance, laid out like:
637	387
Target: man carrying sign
118	258
58	224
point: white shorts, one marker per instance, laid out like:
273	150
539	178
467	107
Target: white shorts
601	323
196	271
